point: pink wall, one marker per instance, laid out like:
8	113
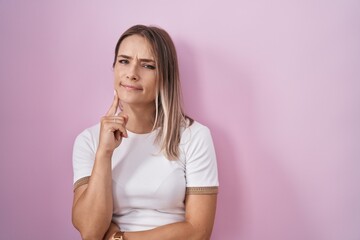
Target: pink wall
276	81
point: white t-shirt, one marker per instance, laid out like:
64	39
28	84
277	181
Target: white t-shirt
148	189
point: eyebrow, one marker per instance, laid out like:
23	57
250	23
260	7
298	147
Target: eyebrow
141	59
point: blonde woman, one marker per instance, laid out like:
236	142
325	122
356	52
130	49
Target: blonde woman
148	172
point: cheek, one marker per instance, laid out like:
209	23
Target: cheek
152	83
117	76
154	90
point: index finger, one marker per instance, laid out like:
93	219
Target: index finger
114	105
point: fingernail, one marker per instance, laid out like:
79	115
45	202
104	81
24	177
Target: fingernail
114	92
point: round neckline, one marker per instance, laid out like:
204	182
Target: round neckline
140	134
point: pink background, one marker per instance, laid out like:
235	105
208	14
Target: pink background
276	81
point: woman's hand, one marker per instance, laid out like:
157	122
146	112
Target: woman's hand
112	128
112	229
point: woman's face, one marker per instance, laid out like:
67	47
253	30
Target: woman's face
135	72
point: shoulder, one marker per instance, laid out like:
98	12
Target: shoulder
89	135
196	138
199	156
92	130
84	151
195	132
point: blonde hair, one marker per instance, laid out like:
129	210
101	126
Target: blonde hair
169	117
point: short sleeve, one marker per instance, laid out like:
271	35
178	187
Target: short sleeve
83	155
201	166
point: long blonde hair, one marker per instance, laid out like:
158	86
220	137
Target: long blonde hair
169	117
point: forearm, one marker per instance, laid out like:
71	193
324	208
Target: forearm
92	211
198	224
175	231
113	228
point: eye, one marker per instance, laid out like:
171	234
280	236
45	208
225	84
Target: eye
151	67
123	61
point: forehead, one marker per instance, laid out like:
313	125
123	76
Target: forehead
136	46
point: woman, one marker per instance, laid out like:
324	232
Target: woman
148	172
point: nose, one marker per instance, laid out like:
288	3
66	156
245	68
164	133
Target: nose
132	74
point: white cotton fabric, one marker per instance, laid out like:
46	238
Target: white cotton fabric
148	189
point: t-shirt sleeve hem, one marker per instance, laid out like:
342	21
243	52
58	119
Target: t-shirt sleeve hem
81	181
213	190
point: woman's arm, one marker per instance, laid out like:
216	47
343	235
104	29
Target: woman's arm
112	229
198	224
93	202
92	205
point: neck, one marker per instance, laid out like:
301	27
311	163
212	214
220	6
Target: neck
140	118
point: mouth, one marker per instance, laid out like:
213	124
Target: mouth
131	87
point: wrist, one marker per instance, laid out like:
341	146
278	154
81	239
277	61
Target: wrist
104	153
118	236
113	228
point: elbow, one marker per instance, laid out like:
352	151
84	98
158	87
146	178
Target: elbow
90	237
203	235
200	233
87	233
200	236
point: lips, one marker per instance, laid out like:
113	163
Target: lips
131	87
